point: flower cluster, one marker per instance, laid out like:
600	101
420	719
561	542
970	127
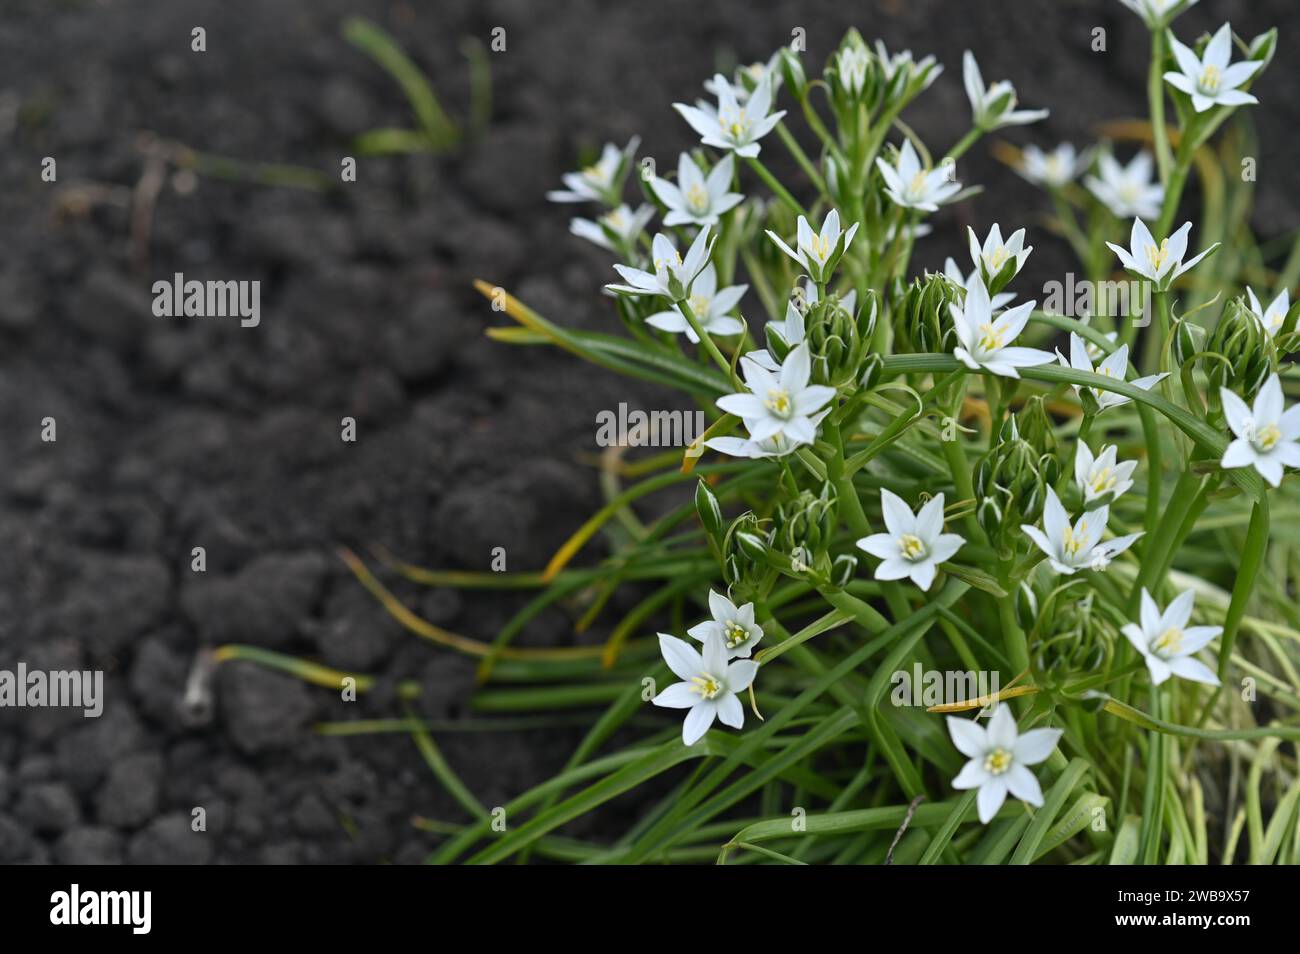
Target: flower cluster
842	418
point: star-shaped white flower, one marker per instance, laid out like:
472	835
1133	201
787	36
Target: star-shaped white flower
751	77
708	688
732	125
1210	80
770	448
915	544
782	403
694	199
1127	190
1100	477
673	276
1271	318
902	63
851	64
601	181
1115	365
1167	643
984	342
1053	169
1157	13
994	254
818	252
994	106
911	186
1160	263
732	625
1266	435
1000	757
711	306
616	230
1078	547
952	272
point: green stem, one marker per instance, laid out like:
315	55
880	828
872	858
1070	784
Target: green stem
964	143
801	157
718	358
778	190
1156	96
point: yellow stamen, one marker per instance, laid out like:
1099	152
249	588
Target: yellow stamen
733	634
911	546
706	686
1210	79
991	338
997	761
1157	257
1170	641
778	402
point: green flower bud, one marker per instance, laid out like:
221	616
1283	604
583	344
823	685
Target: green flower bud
1073	641
806	524
1247	349
1184	346
839	335
1026	604
706	506
796	80
922	321
745	551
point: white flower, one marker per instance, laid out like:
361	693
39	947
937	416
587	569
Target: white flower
673	275
1157	13
733	126
600	182
818	252
1100	477
994	106
1210	81
616	230
778	445
708	687
750	77
999	759
1051	169
915	544
781	403
1160	263
912	187
1272	317
991	257
710	307
851	65
893	64
1266	436
952	271
1167	643
693	199
1113	366
731	625
1127	190
1079	547
984	342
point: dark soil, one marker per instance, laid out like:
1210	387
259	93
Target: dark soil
177	433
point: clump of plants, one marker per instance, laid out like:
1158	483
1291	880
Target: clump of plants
968	575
